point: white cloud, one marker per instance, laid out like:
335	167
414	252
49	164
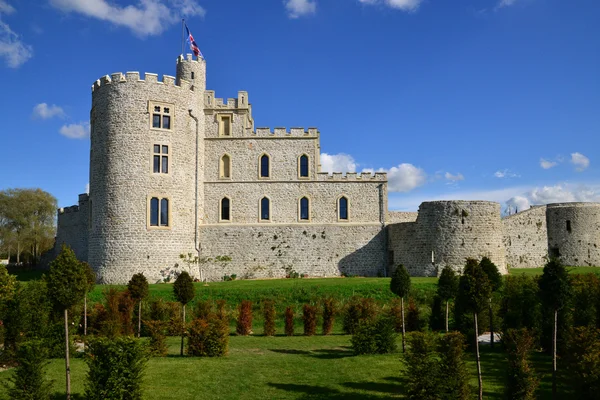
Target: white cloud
337	163
76	131
14	51
560	193
505	3
148	17
547	164
300	8
87	188
44	111
516	204
454	178
506	173
404	5
580	161
404	178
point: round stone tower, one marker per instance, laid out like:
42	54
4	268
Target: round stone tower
574	233
453	231
145	171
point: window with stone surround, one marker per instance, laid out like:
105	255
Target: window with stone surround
159	212
343	208
303	166
161	115
225	167
225	212
160	160
265	209
304	209
225	121
264	167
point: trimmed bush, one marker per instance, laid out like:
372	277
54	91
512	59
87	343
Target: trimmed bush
269	317
203	309
582	359
309	317
422	367
413	317
244	321
521	382
329	311
222	310
374	337
357	310
29	378
395	314
119	313
454	375
289	321
116	367
208	338
158	339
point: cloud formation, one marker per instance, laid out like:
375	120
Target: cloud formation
76	131
300	8
560	193
12	49
580	161
403	5
403	178
44	111
505	173
547	164
505	3
454	178
147	18
337	163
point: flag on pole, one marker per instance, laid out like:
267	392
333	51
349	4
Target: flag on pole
193	46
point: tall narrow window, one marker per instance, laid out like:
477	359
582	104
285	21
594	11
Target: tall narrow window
343	208
568	226
224	124
264	166
225	209
164	212
154	211
159	212
304	208
161	115
225	167
265	213
304	166
161	159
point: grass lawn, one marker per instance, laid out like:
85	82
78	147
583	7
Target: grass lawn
280	367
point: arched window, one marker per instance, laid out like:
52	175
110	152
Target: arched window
159	212
303	167
225	209
265	209
264	166
343	208
304	209
225	167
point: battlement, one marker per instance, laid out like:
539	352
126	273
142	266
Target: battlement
283	132
212	102
129	77
189	58
352	176
68	210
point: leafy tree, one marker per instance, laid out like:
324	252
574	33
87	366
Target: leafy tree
474	290
67	284
422	367
521	379
447	287
582	360
29	379
454	375
555	291
8	286
184	292
495	277
521	306
90	277
400	286
138	289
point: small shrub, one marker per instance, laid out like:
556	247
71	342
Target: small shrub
203	309
329	311
358	310
158	339
289	321
374	337
582	359
395	314
244	322
437	319
222	310
521	380
208	338
413	317
269	316
29	378
454	375
115	367
119	313
309	316
422	367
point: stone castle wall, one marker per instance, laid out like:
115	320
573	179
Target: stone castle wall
574	233
72	229
526	238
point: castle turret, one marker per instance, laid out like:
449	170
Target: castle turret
193	71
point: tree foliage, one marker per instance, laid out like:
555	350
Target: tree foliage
582	360
29	378
139	289
454	374
447	284
400	283
522	381
555	289
492	272
183	288
67	280
474	288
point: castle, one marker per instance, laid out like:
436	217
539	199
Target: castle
176	171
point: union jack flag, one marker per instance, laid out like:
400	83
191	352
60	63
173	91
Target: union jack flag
193	46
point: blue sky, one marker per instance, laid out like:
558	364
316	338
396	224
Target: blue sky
463	99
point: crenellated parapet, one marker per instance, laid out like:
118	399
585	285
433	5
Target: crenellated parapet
351	176
217	104
283	132
134	77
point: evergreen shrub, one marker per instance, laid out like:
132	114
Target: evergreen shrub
269	318
329	311
309	317
208	338
422	367
521	382
158	340
453	372
582	359
29	378
374	337
357	310
244	321
289	321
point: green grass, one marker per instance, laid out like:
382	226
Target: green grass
282	367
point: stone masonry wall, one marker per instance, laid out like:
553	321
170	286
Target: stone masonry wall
526	238
72	229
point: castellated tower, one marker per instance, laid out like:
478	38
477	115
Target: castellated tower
146	170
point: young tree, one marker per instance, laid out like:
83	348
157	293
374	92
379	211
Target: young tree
422	367
29	380
522	381
184	292
447	287
495	277
454	374
138	289
400	286
474	290
67	284
90	277
555	291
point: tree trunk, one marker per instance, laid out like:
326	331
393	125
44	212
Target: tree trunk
182	330
403	327
140	318
447	301
554	355
85	315
491	325
18	252
477	356
67	365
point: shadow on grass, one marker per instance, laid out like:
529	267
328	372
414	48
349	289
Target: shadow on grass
321	392
62	396
290	351
399	387
322	354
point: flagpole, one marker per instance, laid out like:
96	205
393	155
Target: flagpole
182	42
